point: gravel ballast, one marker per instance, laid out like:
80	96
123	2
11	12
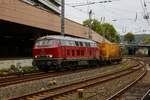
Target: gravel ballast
38	85
106	89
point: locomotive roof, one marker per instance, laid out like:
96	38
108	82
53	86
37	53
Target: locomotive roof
65	38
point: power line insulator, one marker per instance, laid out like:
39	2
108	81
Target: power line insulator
146	16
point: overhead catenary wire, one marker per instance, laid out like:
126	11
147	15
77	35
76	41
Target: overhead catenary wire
145	5
90	3
109	9
145	11
117	12
83	11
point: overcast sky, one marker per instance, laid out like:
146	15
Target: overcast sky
125	15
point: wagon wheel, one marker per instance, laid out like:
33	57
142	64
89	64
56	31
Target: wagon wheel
59	67
43	68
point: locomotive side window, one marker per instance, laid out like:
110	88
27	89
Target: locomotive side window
84	44
67	43
91	44
77	43
72	43
81	44
88	44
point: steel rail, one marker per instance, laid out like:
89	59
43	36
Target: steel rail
20	79
128	86
146	96
51	93
36	76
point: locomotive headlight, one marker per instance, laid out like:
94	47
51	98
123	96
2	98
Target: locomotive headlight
50	56
35	56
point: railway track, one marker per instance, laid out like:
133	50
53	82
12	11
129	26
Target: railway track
58	91
10	80
135	90
146	96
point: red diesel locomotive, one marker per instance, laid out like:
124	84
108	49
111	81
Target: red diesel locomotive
57	52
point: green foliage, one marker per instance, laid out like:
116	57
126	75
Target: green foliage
125	51
146	40
27	69
17	70
129	37
14	69
105	29
4	71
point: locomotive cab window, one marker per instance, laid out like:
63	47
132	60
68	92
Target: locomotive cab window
43	43
49	43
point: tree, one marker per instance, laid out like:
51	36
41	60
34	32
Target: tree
129	37
109	32
146	40
105	29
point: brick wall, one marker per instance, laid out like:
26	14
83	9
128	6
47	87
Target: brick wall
23	13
